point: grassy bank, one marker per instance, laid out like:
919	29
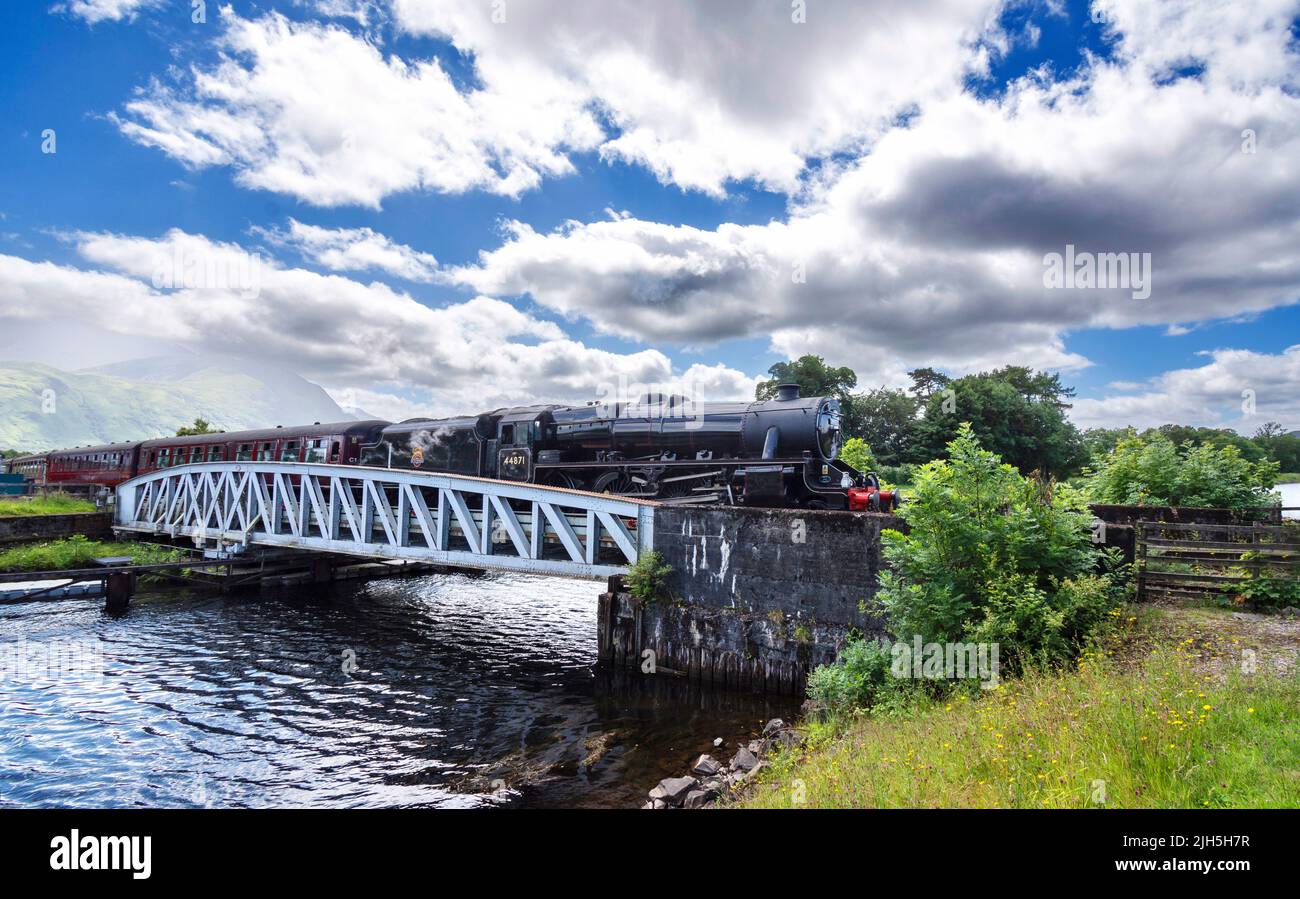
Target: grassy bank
77	552
54	504
1164	718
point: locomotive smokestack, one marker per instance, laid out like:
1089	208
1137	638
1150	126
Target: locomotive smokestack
787	392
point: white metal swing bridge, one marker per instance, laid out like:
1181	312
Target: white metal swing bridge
387	514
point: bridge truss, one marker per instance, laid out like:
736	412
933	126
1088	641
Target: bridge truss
387	514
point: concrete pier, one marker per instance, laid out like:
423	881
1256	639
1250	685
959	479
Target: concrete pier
757	597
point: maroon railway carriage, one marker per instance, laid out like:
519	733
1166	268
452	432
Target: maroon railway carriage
105	465
31	467
339	443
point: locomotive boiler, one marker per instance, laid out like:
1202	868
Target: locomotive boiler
778	452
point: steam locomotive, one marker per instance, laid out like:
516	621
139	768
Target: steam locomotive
779	452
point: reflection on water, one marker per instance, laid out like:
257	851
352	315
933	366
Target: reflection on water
445	690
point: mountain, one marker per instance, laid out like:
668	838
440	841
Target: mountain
44	408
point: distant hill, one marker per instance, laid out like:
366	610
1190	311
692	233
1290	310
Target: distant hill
151	397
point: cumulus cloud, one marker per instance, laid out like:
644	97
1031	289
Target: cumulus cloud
706	93
929	249
700	94
353	250
1238	389
345	334
93	11
319	113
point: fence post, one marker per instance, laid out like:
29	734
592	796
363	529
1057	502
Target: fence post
1141	561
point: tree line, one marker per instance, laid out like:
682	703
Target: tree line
1014	411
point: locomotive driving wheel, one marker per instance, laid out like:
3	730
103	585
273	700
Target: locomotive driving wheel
561	479
616	482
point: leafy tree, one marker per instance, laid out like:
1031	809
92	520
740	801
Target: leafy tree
1216	438
814	377
1270	429
200	426
993	556
857	453
1100	441
886	419
1283	449
1152	470
926	382
1014	412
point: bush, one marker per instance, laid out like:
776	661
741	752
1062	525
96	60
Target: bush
993	556
857	453
859	677
1044	626
1154	471
648	578
1266	590
896	474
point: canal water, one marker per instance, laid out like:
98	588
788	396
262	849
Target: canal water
441	690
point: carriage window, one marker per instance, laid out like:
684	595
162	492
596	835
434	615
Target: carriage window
244	453
265	451
290	452
316	451
334	451
215	454
196	454
163	457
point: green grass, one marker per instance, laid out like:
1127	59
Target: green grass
1156	732
77	552
1288	477
55	504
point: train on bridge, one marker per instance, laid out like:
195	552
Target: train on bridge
782	452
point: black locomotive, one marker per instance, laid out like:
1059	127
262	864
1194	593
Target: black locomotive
778	452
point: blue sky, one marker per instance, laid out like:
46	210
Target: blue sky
613	192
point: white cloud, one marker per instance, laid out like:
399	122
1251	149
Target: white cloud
94	11
1238	389
929	249
320	114
344	334
700	94
353	250
706	93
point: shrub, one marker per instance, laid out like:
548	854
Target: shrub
858	678
896	474
993	556
857	453
1153	470
648	578
1262	589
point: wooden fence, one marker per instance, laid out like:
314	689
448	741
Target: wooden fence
1193	561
